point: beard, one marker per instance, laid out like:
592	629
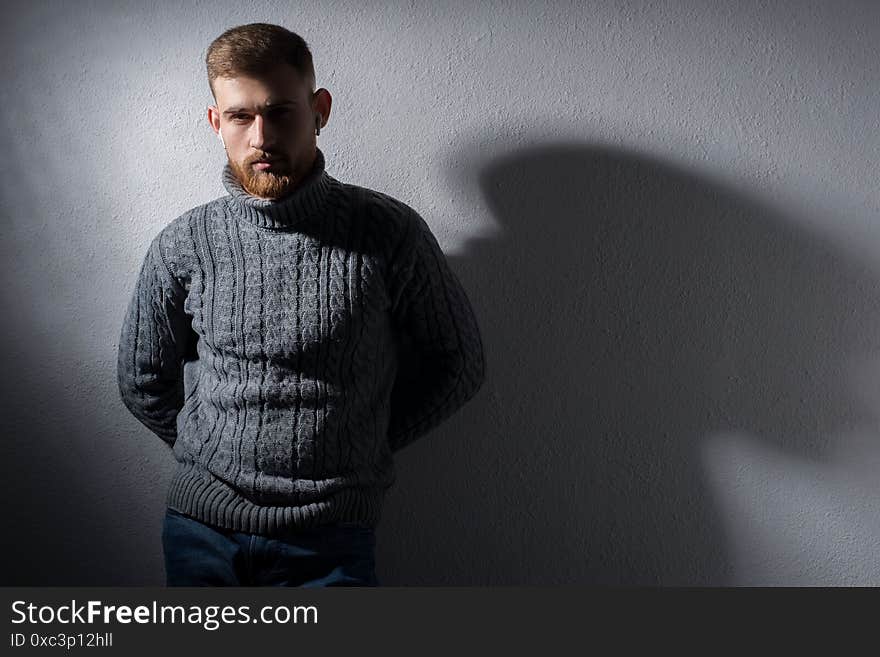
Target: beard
264	184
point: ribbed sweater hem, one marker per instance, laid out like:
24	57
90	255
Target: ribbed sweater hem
197	494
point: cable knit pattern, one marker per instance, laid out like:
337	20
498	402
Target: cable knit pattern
286	349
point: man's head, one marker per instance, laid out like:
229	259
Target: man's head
263	83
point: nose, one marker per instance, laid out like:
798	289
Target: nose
257	133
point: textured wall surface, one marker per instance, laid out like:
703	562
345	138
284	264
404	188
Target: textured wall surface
665	215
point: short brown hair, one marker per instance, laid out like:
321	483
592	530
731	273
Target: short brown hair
255	49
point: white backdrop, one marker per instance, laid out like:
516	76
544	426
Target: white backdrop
665	215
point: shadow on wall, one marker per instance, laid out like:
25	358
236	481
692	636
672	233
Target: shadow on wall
80	490
630	310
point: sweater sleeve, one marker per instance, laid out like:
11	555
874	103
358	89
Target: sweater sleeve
440	346
152	344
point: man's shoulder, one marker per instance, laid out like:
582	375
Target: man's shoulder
186	224
375	202
195	216
176	240
383	211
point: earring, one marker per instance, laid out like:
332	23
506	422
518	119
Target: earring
317	124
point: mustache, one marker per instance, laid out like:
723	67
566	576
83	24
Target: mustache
263	157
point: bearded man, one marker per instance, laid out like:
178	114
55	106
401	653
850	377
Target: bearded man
286	339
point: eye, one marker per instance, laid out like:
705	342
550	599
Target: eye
239	118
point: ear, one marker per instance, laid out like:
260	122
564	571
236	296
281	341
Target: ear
214	117
321	102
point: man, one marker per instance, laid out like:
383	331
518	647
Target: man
286	339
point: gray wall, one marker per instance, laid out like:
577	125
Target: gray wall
665	215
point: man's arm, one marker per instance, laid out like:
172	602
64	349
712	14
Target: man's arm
154	339
440	343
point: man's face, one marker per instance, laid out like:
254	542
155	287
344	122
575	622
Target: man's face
269	118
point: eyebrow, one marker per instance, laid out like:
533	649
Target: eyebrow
269	105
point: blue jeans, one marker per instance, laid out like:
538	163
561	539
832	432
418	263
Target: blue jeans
197	554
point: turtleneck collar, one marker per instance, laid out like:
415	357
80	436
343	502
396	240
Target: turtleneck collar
304	201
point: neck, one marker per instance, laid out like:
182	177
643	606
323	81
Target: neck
304	201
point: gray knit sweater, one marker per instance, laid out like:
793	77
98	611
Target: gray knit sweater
285	349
